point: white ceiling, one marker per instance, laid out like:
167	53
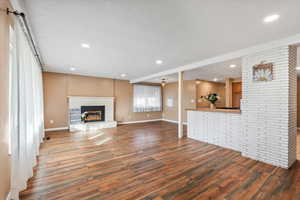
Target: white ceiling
220	71
127	36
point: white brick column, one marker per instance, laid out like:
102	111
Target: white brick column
269	109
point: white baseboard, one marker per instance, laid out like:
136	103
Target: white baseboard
57	129
173	121
141	121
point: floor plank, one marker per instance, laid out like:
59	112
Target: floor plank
147	161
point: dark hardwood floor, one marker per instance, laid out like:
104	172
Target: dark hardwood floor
147	161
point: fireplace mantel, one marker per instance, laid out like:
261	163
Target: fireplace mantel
75	103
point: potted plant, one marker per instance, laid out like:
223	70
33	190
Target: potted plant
212	98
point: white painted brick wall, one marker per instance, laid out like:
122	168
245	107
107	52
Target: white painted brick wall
222	129
269	109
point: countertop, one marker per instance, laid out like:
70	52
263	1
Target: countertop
216	110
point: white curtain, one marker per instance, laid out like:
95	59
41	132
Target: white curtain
146	98
26	110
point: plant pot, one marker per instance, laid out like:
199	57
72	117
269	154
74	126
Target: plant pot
212	106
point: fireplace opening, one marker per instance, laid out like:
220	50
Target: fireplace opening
92	113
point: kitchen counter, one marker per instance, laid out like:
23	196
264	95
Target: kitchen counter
216	110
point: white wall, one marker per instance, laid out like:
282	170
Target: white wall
269	109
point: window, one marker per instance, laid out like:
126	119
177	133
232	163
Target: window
146	98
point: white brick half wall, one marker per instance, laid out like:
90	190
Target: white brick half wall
222	129
269	124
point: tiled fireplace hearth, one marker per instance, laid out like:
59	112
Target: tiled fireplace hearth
86	113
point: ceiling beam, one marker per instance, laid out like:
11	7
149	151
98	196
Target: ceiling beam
293	40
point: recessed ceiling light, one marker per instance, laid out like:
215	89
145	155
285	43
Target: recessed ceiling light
159	62
72	68
85	45
271	18
215	79
298	68
123	75
232	66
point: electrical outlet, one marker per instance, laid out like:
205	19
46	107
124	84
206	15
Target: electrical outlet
51	121
148	115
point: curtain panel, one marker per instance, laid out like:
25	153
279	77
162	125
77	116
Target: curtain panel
26	110
147	98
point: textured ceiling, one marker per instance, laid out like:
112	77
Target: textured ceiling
127	36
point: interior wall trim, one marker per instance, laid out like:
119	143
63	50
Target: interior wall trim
173	121
56	129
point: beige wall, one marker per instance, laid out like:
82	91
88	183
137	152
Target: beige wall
57	87
206	87
188	99
4	158
191	92
55	100
89	86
